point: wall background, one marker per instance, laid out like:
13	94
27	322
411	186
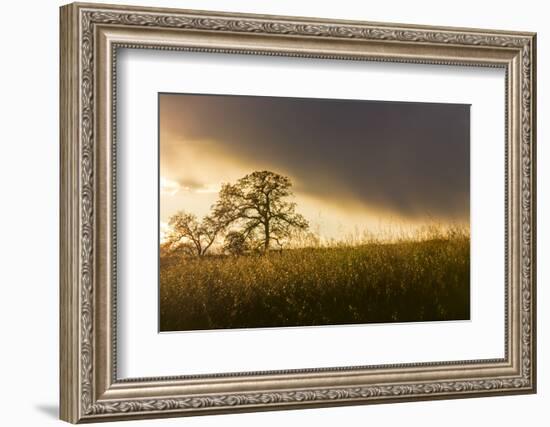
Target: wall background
29	170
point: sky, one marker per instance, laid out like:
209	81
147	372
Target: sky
356	166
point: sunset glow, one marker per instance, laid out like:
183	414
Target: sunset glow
205	142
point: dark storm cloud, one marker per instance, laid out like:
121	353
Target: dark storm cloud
409	158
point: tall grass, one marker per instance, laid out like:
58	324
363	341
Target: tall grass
421	278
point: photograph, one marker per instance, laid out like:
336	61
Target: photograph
278	212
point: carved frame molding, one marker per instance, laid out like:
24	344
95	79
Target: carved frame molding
90	37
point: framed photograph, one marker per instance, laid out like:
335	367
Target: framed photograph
265	212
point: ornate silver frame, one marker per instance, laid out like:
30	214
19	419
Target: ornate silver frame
90	36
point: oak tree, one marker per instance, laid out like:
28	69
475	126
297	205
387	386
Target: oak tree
258	208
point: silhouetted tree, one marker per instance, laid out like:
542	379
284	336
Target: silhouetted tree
257	204
190	235
236	243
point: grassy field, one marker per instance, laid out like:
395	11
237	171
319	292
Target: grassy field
413	280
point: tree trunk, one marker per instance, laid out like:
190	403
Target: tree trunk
267	238
266	222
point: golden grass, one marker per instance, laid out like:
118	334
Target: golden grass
424	278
